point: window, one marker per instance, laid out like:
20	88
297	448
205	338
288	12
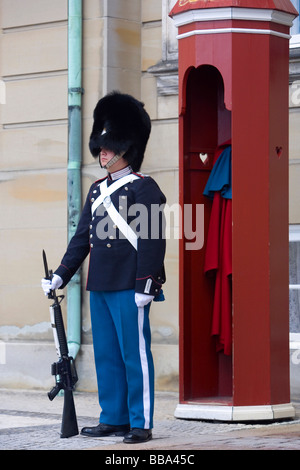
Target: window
295	29
294	283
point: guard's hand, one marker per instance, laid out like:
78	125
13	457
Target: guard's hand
48	285
142	299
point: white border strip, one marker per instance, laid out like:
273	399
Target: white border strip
248	14
232	30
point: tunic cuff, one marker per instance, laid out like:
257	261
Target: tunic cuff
65	274
148	285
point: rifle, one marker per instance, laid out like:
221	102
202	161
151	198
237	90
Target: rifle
64	369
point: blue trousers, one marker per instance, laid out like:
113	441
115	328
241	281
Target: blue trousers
123	359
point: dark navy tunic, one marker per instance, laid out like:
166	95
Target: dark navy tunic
114	264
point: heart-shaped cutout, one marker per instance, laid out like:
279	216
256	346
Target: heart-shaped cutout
203	158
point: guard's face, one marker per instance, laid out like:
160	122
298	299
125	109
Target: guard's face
105	156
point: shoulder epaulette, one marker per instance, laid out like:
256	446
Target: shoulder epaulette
141	175
101	179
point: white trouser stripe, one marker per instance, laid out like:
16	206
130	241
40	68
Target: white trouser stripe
145	369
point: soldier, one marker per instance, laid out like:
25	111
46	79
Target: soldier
126	267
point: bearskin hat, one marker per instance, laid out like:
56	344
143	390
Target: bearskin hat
121	124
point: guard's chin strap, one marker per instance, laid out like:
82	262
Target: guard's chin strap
111	162
114	160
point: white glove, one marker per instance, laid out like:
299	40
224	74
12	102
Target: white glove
142	299
48	285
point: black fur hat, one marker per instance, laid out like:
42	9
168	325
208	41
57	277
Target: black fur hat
121	124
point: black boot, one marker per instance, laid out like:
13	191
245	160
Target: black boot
137	435
105	430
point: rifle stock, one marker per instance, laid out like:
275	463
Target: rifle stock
64	369
69	420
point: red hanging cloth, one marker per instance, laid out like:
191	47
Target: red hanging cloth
218	255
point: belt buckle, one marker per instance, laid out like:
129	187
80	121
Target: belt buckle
107	202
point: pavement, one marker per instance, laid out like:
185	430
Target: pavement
29	421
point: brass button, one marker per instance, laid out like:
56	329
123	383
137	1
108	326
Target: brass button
108	245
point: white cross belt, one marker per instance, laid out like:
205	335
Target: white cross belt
105	199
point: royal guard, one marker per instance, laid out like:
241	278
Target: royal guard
122	230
